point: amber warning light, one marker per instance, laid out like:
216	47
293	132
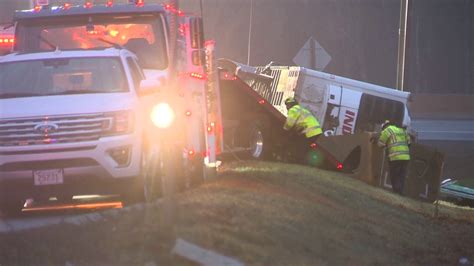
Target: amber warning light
6	41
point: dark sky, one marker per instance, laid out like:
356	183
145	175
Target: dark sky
360	35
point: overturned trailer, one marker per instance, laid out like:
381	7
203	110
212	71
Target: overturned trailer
349	111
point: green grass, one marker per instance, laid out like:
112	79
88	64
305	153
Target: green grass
264	214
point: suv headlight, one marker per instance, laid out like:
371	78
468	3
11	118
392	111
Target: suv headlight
119	123
162	115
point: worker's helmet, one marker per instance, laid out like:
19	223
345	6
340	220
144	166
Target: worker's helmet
290	100
385	124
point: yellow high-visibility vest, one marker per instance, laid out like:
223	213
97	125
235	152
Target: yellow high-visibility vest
396	140
302	120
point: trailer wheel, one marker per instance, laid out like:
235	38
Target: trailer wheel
255	139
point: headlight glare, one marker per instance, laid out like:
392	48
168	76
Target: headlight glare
162	115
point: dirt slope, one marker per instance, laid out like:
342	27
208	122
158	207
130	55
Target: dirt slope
264	214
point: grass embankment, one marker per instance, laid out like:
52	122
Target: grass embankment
264	214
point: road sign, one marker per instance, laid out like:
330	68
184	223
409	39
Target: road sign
312	55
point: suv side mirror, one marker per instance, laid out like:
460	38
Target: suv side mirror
149	86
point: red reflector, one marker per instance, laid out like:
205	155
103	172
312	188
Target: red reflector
262	101
339	166
88	4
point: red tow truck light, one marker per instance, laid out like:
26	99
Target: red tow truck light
197	75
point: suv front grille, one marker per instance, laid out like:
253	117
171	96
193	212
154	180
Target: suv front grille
54	129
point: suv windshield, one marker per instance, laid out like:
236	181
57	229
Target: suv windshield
62	76
141	34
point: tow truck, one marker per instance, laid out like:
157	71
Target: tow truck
180	148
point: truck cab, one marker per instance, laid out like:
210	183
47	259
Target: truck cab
168	43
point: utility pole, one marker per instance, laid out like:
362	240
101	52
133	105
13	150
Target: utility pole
250	32
402	36
200	8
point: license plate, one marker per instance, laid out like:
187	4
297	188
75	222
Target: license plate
48	177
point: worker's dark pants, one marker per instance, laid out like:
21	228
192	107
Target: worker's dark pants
398	173
302	147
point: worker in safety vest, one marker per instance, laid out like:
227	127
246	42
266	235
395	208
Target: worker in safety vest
397	142
303	122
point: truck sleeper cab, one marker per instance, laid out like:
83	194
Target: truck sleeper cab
71	122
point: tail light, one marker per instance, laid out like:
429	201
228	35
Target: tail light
87	4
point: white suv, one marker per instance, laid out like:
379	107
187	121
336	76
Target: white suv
70	124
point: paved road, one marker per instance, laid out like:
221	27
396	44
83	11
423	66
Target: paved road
431	129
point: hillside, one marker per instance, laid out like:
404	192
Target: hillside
263	214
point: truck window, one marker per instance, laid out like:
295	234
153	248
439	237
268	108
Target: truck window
141	34
375	110
62	76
